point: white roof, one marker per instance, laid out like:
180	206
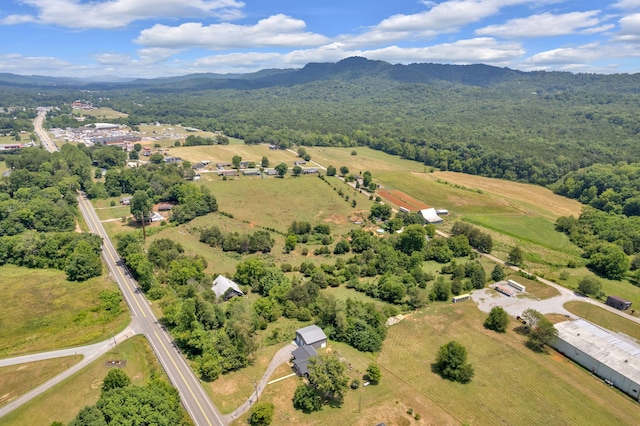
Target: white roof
430	215
221	284
615	351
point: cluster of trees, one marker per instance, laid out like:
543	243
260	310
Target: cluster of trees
122	403
193	140
78	255
259	241
607	240
539	329
479	240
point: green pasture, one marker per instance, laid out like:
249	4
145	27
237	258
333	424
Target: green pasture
511	382
275	203
366	159
40	310
21	378
224	153
535	288
604	318
102	112
64	401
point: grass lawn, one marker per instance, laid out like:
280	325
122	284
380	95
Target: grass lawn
232	389
40	310
103	112
64	401
604	318
224	153
16	380
366	159
535	288
512	385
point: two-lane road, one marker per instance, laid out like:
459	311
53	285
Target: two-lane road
193	397
197	403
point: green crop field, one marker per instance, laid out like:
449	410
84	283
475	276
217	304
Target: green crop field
224	154
40	310
64	401
21	378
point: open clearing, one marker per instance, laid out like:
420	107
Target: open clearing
40	310
512	385
64	401
16	380
604	318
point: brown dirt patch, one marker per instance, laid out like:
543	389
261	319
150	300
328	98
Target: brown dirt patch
337	219
401	199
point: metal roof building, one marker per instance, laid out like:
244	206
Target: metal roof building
311	335
608	355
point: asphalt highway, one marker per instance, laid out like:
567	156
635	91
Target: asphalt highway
197	403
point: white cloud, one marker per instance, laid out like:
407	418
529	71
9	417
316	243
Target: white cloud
629	29
110	59
627	4
544	25
41	65
16	19
276	30
119	13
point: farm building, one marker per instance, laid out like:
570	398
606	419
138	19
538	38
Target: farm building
165	207
311	335
251	172
404	210
300	357
125	201
607	355
310	171
516	285
618	302
232	172
224	288
430	216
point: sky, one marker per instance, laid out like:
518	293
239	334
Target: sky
159	38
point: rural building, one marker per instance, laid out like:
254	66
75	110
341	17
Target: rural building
299	163
251	172
270	172
442	212
300	356
164	207
125	201
231	172
618	302
430	216
607	355
173	160
224	288
404	210
311	335
309	171
10	146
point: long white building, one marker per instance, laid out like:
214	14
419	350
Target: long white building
611	357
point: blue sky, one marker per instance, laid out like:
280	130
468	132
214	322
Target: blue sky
154	38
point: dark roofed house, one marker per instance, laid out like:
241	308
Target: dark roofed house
224	288
164	207
311	335
300	357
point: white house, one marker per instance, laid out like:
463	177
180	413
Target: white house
430	215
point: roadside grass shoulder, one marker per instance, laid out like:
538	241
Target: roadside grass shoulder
604	318
40	310
21	378
64	401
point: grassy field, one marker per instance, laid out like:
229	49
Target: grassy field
604	318
40	310
366	159
224	153
102	112
16	380
64	401
512	384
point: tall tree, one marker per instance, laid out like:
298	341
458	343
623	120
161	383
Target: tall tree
451	362
141	208
281	169
497	320
516	256
326	375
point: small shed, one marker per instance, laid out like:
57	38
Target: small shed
311	335
618	302
300	357
225	288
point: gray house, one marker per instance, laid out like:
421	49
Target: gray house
311	335
300	357
224	288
